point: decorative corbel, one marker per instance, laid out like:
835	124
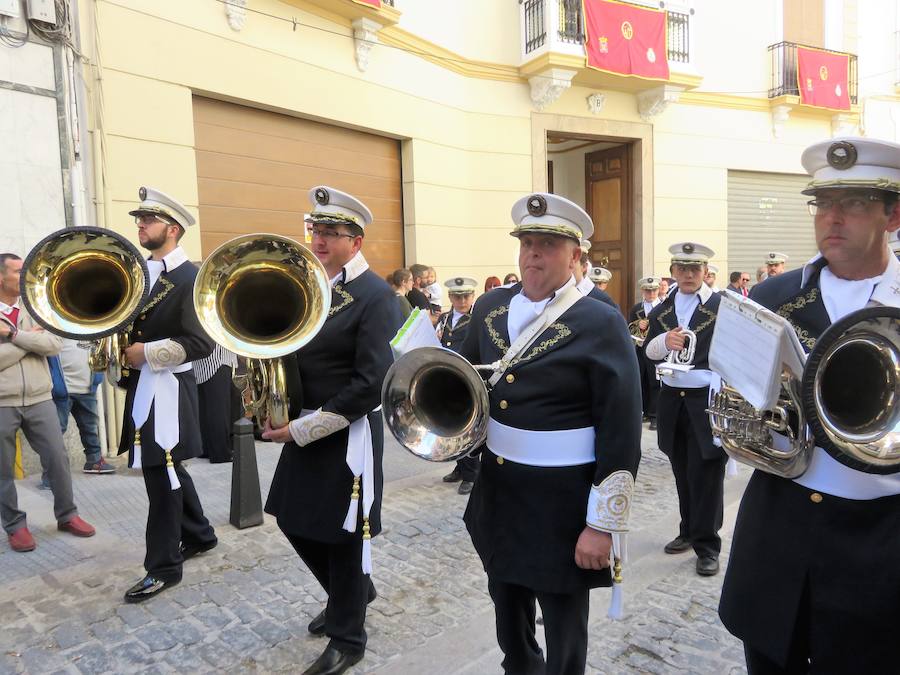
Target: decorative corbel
596	102
236	12
365	35
548	86
780	115
654	101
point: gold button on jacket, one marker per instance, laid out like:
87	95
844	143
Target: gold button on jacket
815	498
504	405
510	378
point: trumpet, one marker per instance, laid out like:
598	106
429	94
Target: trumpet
681	360
87	284
262	297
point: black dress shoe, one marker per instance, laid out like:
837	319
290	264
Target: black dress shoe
452	477
188	551
678	545
465	487
707	566
147	587
317	625
333	662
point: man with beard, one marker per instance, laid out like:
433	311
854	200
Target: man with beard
326	492
160	425
563	441
814	569
775	263
683	430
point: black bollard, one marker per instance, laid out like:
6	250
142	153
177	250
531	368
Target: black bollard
246	499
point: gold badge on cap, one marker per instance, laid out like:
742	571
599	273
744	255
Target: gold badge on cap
688	248
459	281
841	155
537	205
142	193
322	196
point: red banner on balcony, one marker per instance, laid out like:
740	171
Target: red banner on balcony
371	3
626	39
823	78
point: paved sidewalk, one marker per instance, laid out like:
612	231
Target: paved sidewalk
244	607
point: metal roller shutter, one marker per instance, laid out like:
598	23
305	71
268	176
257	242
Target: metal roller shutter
254	169
766	212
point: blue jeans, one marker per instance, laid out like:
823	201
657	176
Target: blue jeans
84	409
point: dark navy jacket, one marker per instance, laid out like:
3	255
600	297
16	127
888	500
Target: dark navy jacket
452	338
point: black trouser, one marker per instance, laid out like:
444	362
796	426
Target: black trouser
798	659
220	407
701	489
175	517
565	629
338	568
468	468
649	385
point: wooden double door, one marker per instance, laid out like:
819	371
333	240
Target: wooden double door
609	202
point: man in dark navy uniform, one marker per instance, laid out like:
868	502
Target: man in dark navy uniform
551	503
813	579
326	492
160	428
452	328
637	318
683	432
584	283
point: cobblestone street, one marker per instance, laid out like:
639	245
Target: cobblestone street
244	606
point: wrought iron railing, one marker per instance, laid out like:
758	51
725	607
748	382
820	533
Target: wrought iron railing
571	28
784	70
535	28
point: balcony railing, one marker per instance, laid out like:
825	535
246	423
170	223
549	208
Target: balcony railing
784	70
571	27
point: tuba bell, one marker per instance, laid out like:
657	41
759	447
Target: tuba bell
847	401
435	403
262	297
638	335
87	284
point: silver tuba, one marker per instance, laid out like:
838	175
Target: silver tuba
435	403
87	284
847	401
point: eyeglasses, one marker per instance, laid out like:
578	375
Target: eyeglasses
150	218
855	205
745	278
328	235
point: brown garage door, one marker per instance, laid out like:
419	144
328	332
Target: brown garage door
254	169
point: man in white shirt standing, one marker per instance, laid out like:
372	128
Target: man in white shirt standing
815	563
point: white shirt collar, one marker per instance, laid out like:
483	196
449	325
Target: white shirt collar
891	272
523	311
356	266
6	309
172	260
454	317
538	305
585	285
653	303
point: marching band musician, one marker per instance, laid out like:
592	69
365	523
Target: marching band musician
452	328
326	492
160	428
649	287
684	432
815	562
563	441
583	282
775	263
601	277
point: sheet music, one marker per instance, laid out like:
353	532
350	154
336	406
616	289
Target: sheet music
416	332
749	347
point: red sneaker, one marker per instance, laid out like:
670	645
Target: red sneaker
21	540
78	527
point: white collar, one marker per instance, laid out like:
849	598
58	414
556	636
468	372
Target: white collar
887	291
652	303
6	309
538	305
356	266
172	260
585	285
705	293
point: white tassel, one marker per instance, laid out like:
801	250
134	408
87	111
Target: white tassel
170	469
136	452
353	509
615	606
731	468
619	546
367	548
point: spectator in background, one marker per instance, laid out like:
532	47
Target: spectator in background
416	295
402	282
511	278
491	282
775	263
712	272
75	392
433	290
738	282
761	274
663	288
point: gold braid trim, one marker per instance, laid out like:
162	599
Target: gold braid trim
663	315
562	331
346	299
710	319
494	334
788	308
167	286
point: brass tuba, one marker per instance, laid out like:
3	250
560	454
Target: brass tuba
637	334
435	403
262	297
847	401
87	284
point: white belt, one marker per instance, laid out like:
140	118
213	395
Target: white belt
563	447
696	378
159	388
826	474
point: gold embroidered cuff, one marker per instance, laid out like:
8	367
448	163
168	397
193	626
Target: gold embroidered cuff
319	424
609	503
163	354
